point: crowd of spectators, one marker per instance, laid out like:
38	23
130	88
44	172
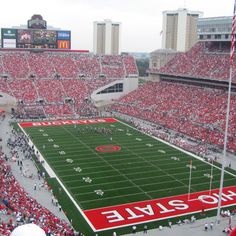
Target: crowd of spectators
52	77
23	208
4	87
40	65
201	61
1	65
22	90
130	65
34	111
15	64
89	66
51	95
112	66
194	111
50	90
65	65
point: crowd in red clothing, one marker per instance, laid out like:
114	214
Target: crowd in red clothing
53	93
112	66
26	209
200	62
66	65
194	111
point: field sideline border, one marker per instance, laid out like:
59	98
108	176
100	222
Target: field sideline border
178	148
53	175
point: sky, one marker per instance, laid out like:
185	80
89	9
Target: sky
141	19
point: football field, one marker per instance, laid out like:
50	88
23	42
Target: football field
117	176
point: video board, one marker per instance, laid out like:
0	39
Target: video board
28	38
44	37
24	36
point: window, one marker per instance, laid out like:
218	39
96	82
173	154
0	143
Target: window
113	89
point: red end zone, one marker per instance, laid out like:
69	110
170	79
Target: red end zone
158	209
68	122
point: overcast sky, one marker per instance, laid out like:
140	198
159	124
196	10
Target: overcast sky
141	19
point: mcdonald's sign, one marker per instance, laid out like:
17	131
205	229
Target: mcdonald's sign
63	44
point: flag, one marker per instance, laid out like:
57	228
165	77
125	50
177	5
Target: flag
233	34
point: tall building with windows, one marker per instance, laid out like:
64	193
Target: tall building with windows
179	30
106	37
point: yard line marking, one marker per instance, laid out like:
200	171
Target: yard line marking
141	162
160	190
97	172
106	161
139	172
147	184
91	185
106	198
177	148
107	190
156	167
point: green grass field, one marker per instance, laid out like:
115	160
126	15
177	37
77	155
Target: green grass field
143	169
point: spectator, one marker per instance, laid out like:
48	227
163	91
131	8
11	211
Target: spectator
145	228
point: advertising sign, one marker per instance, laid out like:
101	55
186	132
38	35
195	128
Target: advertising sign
8	33
63	44
9	43
64	35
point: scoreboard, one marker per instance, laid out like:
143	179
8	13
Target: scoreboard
35	38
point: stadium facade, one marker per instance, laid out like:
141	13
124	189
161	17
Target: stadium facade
214	29
160	57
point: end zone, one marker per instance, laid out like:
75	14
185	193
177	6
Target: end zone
68	122
158	209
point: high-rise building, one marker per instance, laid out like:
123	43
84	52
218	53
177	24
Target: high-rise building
106	37
179	31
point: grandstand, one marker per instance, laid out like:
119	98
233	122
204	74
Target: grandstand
50	78
205	61
185	106
21	64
